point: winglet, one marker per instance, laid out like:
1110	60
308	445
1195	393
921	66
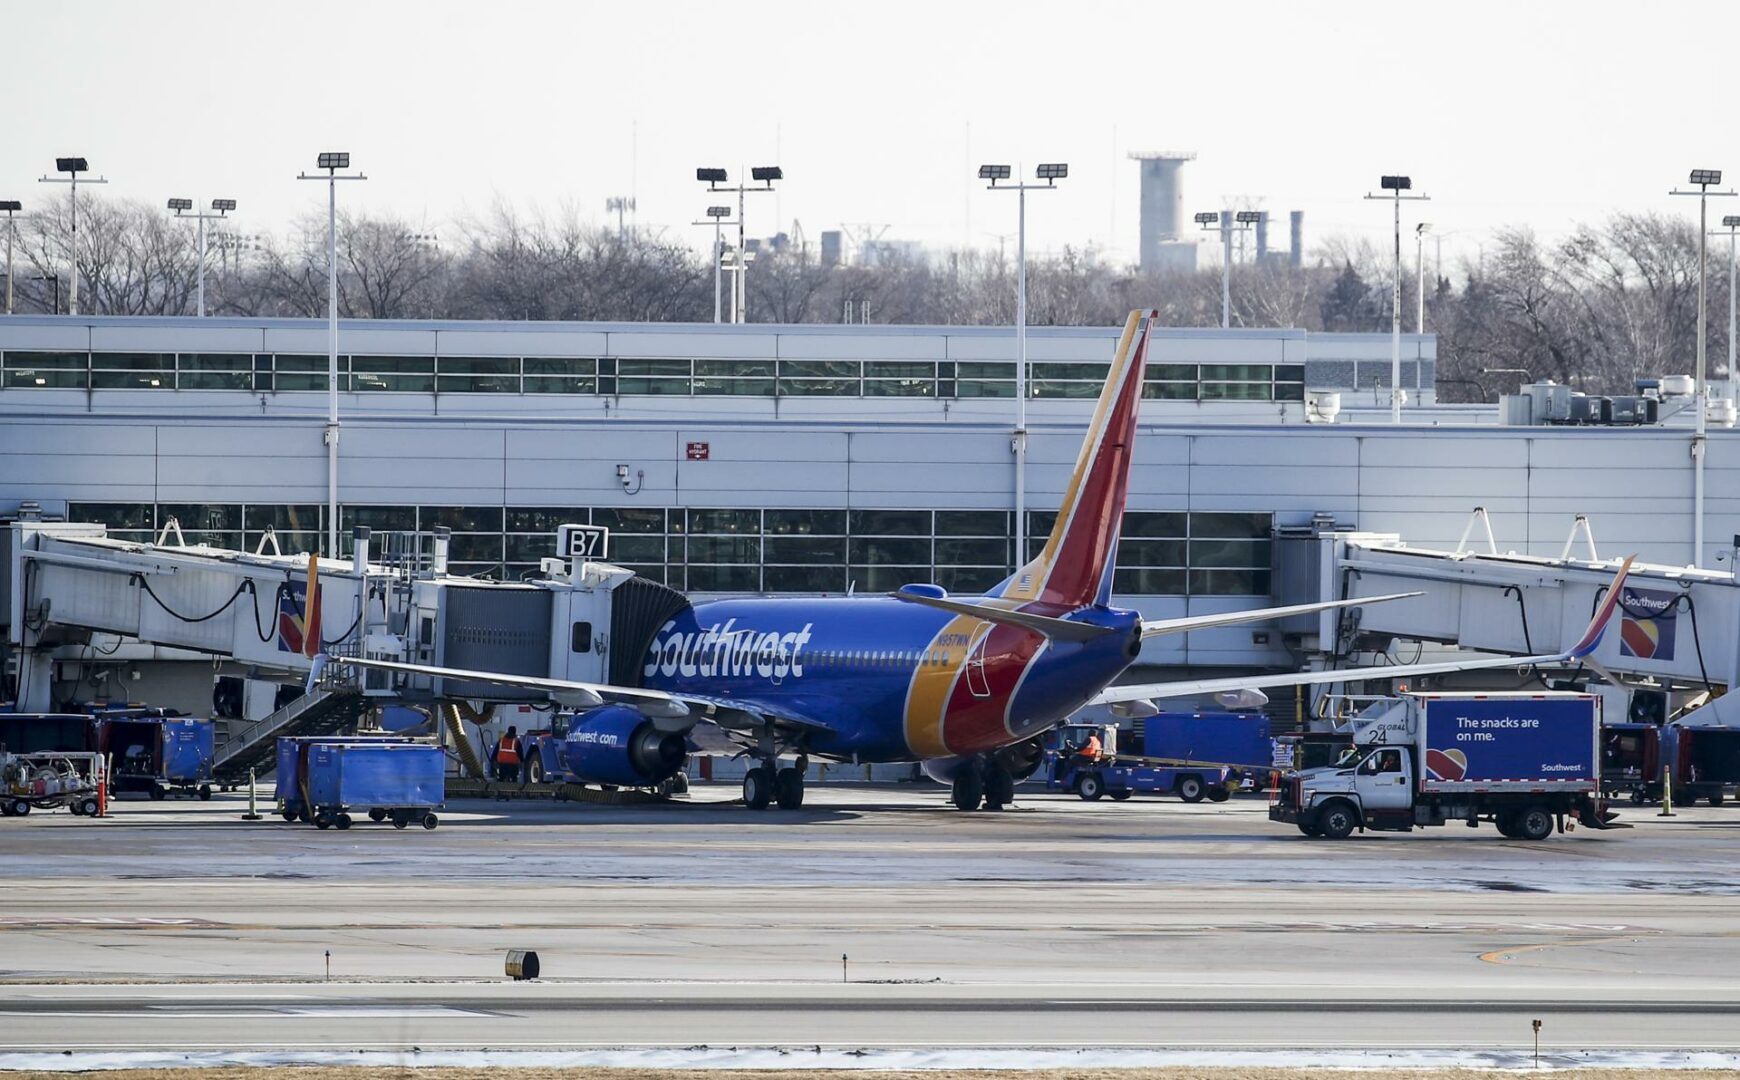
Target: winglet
315	670
1591	638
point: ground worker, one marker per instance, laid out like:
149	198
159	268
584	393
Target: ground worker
507	756
1091	748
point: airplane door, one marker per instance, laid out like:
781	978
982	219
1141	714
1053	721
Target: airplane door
978	683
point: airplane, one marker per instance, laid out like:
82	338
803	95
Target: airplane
962	685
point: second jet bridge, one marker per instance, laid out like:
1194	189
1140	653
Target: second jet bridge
1676	628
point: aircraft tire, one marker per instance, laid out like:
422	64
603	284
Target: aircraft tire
788	788
999	787
968	791
758	788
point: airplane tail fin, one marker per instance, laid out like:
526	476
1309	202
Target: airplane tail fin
1075	567
311	610
1591	638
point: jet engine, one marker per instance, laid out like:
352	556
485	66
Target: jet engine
614	744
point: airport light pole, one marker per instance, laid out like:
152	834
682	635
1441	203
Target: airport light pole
1703	178
11	206
1224	221
72	166
1420	232
716	216
764	175
998	177
1395	185
1732	224
221	207
332	161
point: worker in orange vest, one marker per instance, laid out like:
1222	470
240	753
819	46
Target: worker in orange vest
1091	749
507	756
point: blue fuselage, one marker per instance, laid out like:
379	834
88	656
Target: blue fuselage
885	679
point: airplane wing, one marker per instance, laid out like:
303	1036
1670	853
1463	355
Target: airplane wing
671	712
1581	650
1157	627
1066	630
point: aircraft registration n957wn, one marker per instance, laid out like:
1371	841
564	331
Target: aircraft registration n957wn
963	685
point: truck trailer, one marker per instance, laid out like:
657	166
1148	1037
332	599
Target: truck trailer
1524	762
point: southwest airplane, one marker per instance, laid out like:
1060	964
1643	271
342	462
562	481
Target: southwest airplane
962	685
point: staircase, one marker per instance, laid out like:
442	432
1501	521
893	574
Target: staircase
322	712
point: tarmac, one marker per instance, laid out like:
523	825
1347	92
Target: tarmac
876	919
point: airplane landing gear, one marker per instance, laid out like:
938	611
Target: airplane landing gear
968	790
758	788
788	788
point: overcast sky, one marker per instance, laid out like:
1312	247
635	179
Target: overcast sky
1542	113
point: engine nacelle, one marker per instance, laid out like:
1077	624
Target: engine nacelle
1020	759
614	744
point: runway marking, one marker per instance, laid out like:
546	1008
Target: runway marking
256	1012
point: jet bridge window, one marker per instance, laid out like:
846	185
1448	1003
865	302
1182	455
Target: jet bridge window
580	638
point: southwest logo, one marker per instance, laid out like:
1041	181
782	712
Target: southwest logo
1446	764
1646	628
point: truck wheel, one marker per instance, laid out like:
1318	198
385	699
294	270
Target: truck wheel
1716	799
205	793
1090	787
377	815
321	821
342	821
430	821
1120	796
1338	820
1190	788
401	818
1533	823
1218	794
1310	830
1505	822
18	808
157	792
87	807
535	768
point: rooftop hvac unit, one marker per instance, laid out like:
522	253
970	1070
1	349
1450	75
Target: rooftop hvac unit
1322	406
1589	409
1720	411
1678	385
1516	410
1552	402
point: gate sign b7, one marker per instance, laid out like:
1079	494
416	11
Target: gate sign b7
590	542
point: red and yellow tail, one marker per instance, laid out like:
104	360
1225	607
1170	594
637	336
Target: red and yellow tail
1075	568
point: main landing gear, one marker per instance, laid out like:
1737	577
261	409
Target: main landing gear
768	784
983	782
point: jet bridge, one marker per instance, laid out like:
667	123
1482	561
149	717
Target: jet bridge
1674	642
253	614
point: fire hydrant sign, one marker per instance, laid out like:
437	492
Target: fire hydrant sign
700	451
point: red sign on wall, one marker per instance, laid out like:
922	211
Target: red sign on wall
700	451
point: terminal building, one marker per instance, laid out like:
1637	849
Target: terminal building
810	459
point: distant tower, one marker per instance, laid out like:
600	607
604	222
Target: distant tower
1296	229
1262	237
1164	246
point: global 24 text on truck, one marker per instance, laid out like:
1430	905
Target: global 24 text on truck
1524	762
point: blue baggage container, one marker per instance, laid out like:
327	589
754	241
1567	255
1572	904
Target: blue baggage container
1238	739
287	786
188	748
403	782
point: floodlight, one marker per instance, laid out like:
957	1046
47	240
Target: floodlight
223	205
1053	171
766	174
334	159
181	204
718	211
1207	217
1731	221
71	165
10	205
710	176
1706	176
993	172
1248	217
1396	183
